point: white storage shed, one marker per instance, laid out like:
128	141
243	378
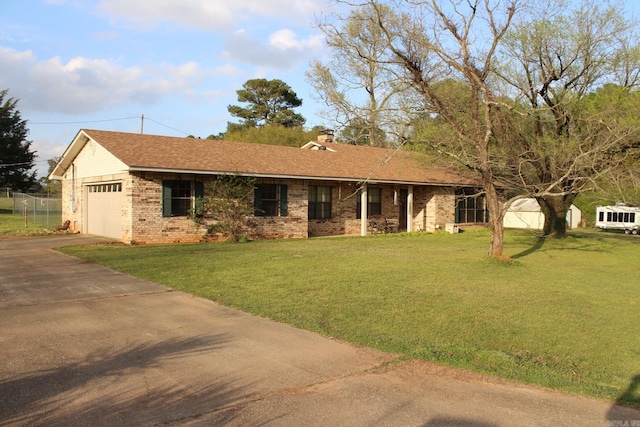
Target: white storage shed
526	213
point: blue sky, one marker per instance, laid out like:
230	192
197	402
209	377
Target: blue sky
101	64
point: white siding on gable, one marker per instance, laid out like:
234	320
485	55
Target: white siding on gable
95	160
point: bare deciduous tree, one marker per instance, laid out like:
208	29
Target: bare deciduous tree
551	60
357	84
502	86
431	45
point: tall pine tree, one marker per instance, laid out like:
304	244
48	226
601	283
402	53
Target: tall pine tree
16	158
268	102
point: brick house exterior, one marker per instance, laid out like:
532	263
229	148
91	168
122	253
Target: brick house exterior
138	188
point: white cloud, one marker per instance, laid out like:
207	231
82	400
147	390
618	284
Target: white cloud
84	85
227	69
189	70
282	51
206	14
286	39
13	65
50	149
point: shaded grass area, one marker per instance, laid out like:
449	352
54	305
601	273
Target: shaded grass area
563	314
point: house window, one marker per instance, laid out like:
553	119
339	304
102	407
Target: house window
105	188
470	207
270	200
319	202
374	202
178	197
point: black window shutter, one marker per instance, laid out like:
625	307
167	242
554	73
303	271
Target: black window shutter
166	198
284	208
199	189
198	193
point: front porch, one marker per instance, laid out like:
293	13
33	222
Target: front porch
383	208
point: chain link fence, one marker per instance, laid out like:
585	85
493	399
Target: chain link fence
41	210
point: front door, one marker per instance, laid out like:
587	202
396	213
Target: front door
402	210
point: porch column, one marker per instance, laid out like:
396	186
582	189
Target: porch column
410	209
363	210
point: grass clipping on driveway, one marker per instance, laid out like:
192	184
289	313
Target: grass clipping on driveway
564	314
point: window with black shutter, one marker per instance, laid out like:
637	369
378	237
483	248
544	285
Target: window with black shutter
270	200
179	197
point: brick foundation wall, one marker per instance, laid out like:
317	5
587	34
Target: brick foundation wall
148	224
343	211
294	225
70	209
440	208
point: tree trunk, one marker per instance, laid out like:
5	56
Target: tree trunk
555	210
496	216
497	238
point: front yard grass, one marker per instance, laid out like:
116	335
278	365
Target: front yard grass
564	314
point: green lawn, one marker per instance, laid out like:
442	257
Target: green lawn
564	314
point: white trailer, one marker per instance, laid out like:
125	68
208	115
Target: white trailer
620	217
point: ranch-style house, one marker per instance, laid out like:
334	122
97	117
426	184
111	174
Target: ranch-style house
141	188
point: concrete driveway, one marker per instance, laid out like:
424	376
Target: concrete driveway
84	345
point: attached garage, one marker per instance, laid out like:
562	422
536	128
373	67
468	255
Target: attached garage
104	210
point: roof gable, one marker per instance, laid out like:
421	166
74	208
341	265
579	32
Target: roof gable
97	160
337	162
311	145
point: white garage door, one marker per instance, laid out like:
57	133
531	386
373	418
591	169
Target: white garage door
104	210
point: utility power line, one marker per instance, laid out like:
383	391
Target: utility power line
15	164
80	122
142	118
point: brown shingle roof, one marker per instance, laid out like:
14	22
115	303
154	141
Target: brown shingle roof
346	162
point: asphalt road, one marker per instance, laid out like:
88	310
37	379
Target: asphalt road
84	345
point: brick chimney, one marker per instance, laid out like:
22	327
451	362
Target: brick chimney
325	136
